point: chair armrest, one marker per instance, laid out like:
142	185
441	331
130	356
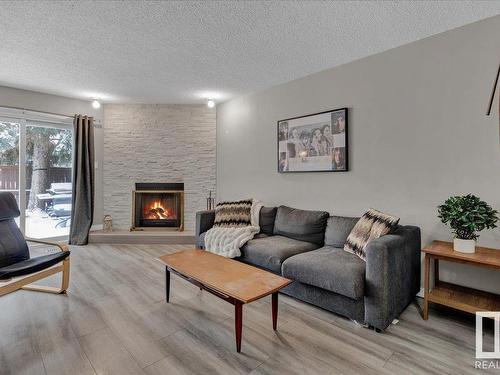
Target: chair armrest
392	275
62	246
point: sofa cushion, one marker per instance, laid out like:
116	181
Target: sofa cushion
337	230
267	215
270	252
302	225
329	268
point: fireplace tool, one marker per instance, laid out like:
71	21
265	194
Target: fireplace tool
210	201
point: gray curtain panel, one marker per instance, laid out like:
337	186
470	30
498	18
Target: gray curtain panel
83	180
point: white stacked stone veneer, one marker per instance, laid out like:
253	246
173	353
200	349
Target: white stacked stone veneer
158	143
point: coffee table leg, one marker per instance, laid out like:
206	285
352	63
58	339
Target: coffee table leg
238	323
167	283
275	309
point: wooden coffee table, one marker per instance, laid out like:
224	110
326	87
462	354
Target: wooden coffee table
233	281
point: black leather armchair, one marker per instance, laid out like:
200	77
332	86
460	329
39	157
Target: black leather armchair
15	260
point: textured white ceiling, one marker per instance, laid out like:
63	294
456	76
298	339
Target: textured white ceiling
175	52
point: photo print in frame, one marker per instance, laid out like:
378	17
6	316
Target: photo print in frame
314	143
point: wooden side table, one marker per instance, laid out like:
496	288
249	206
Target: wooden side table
455	296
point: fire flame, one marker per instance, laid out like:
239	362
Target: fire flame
156	211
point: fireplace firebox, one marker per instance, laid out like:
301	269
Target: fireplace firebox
158	206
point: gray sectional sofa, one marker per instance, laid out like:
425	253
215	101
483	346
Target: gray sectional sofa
307	247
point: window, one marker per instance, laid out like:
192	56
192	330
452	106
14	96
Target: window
36	154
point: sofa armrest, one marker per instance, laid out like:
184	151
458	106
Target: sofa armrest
204	221
392	275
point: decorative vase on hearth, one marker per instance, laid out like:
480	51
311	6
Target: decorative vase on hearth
108	223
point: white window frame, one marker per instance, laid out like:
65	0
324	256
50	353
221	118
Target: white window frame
30	118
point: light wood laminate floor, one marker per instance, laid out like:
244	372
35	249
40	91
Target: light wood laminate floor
114	320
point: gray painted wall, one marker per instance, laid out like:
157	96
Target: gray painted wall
418	134
157	143
58	104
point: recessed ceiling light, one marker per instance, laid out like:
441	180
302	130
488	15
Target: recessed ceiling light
96	104
210	103
215	95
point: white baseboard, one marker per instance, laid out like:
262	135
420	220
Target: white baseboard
95	227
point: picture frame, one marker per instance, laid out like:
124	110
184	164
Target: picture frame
317	142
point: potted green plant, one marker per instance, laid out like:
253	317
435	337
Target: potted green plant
467	215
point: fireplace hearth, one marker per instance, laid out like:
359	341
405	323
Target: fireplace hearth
158	206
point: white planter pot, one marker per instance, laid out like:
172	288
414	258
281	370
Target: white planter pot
464	246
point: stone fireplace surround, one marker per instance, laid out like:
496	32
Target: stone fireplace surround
156	142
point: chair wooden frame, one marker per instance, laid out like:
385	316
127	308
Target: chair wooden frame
26	282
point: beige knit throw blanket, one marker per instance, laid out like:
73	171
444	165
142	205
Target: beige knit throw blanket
236	223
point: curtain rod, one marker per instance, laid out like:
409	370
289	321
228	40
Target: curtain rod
97	122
